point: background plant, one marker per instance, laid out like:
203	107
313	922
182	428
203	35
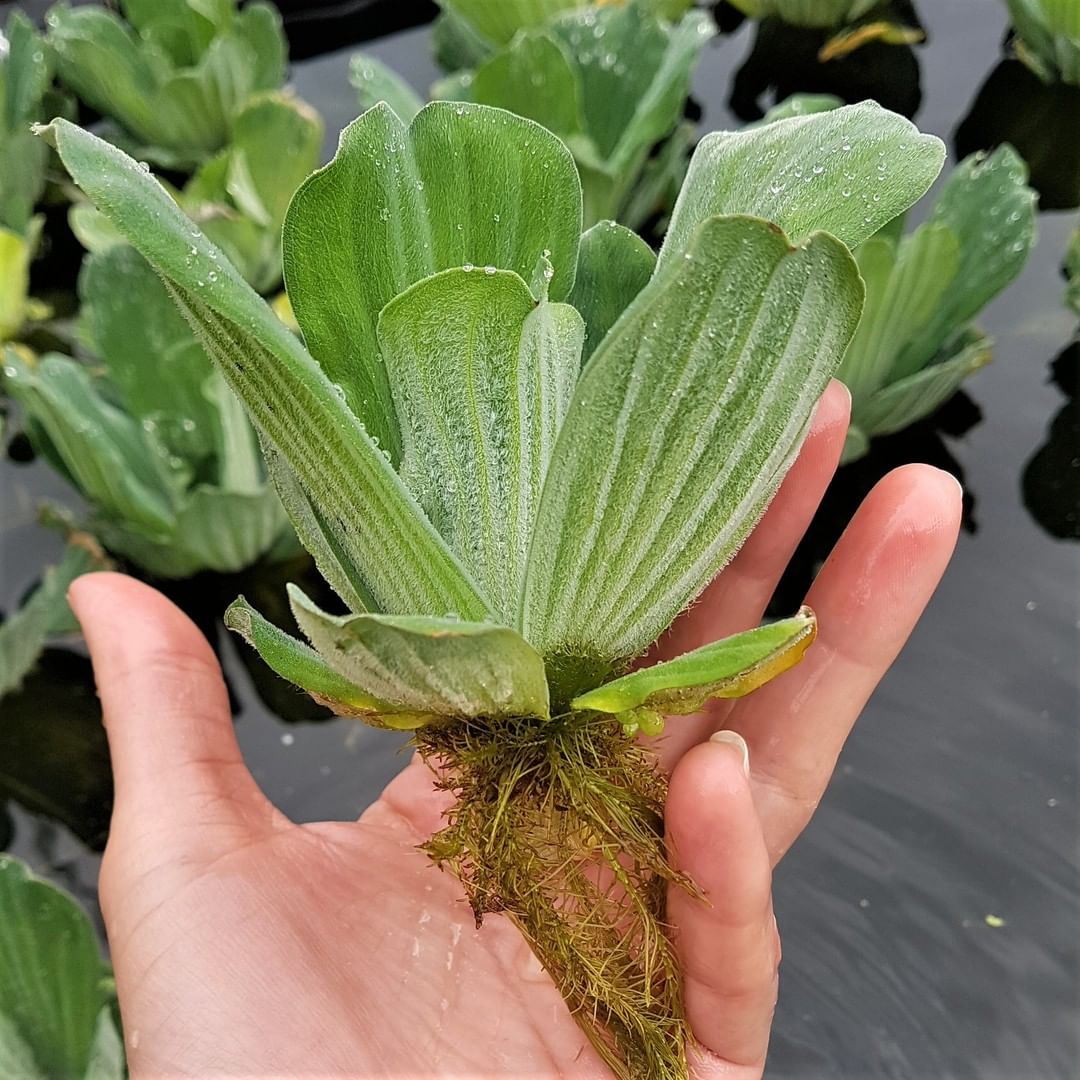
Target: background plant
611	81
147	432
1048	38
917	340
172	74
507	530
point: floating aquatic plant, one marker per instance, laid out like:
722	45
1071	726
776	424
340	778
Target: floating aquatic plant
239	197
57	997
509	527
148	431
611	81
1048	38
172	74
917	341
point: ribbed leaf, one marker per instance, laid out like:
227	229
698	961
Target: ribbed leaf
846	172
498	22
482	379
911	398
439	666
376	82
408	566
730	668
302	665
52	991
988	205
462	184
614	265
685	421
533	77
23	634
905	284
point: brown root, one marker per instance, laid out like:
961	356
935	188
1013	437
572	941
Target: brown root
559	826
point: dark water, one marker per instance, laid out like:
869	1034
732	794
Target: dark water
957	796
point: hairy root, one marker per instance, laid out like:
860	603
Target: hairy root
559	826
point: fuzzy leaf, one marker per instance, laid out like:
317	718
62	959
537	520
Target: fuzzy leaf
23	635
905	284
614	265
302	665
730	668
376	82
532	77
462	184
914	396
482	379
53	989
438	666
989	207
289	398
499	22
684	423
847	172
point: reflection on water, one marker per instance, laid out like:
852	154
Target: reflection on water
1041	120
785	60
1051	482
956	797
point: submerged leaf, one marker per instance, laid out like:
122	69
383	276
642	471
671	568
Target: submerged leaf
482	377
730	668
792	172
439	666
684	423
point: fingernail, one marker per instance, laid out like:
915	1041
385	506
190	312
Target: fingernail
733	738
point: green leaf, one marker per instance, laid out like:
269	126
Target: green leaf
914	396
499	22
905	284
377	522
53	989
635	76
462	185
302	665
376	82
482	379
988	205
801	105
614	265
730	668
438	666
23	635
25	73
149	350
683	425
107	1052
16	253
1049	38
532	77
846	172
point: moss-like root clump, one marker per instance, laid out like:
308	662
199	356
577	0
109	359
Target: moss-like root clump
559	826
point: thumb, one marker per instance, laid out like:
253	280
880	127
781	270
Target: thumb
174	754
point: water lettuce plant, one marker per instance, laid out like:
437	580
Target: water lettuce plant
172	74
510	527
1048	38
240	195
611	81
57	999
148	432
917	340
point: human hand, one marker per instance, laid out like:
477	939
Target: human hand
247	946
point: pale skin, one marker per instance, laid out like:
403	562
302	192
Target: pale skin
248	946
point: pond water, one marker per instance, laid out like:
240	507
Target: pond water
956	798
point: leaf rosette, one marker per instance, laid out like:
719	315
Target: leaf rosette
518	452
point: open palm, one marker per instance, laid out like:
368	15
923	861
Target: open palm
247	946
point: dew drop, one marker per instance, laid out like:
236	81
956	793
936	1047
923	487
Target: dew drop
491	271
